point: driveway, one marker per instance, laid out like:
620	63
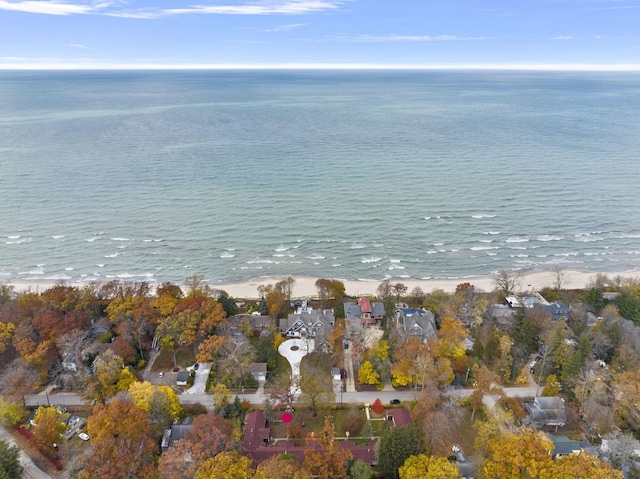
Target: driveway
200	381
294	350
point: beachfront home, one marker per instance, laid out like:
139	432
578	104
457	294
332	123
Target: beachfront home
419	323
361	314
502	315
309	323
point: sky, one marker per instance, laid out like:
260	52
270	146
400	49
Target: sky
545	34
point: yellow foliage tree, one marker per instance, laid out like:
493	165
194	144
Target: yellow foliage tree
367	374
584	465
525	454
428	467
6	331
226	465
450	339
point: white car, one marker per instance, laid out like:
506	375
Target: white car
84	436
161	374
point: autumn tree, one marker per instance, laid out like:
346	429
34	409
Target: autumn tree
236	356
159	402
6	332
367	374
280	391
325	460
226	465
584	464
314	390
396	445
284	466
49	426
12	413
377	406
428	467
109	377
10	467
211	349
525	454
122	441
209	435
19	378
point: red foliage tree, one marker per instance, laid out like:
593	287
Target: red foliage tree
377	406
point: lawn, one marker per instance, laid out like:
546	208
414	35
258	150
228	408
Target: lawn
352	420
164	361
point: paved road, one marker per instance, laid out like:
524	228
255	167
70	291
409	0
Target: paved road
31	471
258	398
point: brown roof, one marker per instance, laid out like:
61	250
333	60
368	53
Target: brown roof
254	446
399	417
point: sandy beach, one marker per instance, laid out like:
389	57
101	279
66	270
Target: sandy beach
304	286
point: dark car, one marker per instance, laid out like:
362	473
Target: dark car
196	366
395	401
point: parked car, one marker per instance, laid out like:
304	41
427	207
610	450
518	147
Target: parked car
395	401
84	436
161	374
196	366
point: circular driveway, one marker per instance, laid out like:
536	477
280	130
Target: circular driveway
294	350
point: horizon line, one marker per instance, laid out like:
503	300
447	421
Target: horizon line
568	67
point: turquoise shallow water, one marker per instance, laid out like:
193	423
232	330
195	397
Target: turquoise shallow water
355	175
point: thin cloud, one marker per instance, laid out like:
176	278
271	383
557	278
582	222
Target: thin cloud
47	7
392	38
114	8
77	45
562	37
293	7
285	28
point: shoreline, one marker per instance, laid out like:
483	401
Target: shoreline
304	286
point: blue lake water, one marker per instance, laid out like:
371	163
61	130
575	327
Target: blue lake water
355	175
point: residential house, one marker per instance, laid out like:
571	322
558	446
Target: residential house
416	322
503	316
100	326
547	411
259	445
307	323
258	371
182	378
563	446
177	432
336	374
239	323
361	314
559	310
399	417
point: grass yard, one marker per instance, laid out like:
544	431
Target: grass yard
164	361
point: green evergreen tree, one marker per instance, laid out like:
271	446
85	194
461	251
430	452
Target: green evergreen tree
10	467
396	445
